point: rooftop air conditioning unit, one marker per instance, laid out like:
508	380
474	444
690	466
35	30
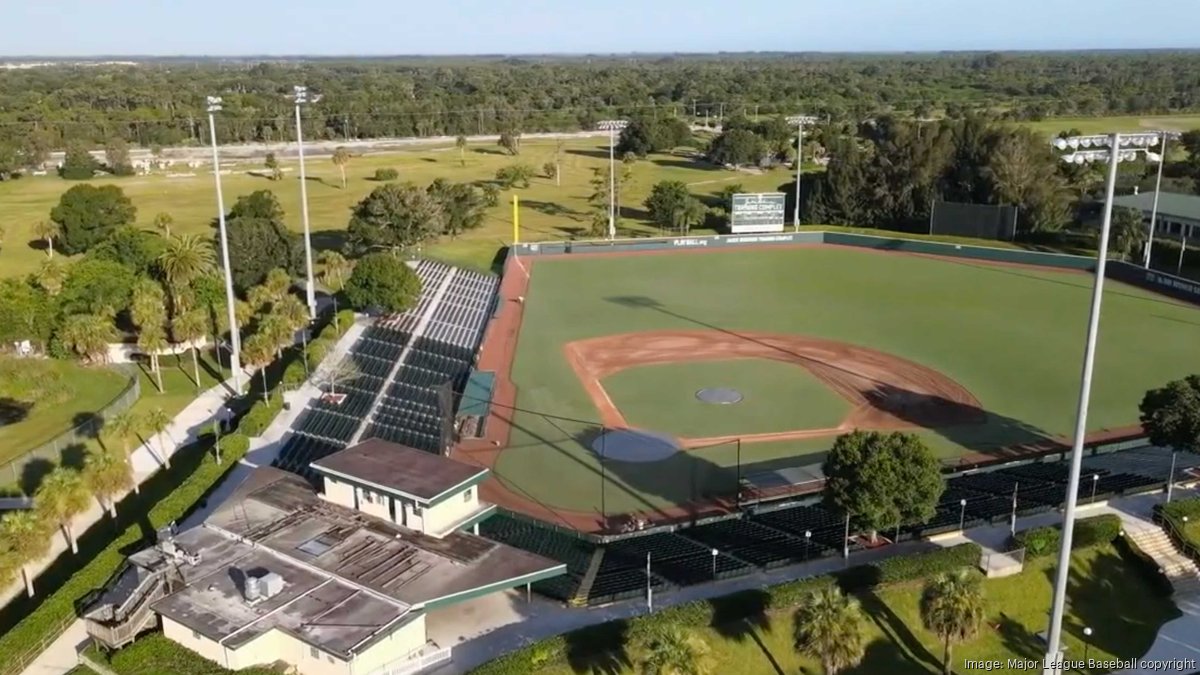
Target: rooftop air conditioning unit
253	589
272	584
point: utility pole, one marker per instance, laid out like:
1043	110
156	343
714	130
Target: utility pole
799	121
612	127
235	340
301	97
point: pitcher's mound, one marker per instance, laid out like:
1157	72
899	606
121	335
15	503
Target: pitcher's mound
634	445
719	395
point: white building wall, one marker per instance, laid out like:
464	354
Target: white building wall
440	518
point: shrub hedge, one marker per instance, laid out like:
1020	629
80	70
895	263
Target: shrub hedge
154	654
178	490
1044	541
386	174
191	476
743	605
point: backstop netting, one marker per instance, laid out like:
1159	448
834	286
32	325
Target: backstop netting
981	221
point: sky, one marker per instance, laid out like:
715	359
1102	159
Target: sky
381	27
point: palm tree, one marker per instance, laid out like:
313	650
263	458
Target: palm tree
88	335
157	421
558	152
106	475
189	327
25	533
48	230
62	496
256	353
186	259
461	144
952	608
272	163
163	222
671	650
51	276
335	270
274	328
123	426
1128	231
152	339
341	157
829	628
294	315
273	289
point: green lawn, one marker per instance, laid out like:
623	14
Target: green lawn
1013	337
548	211
777	397
1107	593
41	398
179	389
1103	125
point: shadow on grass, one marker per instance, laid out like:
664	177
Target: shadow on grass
904	645
599	649
13	411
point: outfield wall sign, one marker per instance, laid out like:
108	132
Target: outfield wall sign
758	212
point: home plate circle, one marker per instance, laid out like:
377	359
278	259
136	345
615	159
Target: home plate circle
719	395
634	445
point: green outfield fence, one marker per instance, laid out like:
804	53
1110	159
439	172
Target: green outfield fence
1154	280
52	451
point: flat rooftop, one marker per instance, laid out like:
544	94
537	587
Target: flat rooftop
315	607
398	468
281	512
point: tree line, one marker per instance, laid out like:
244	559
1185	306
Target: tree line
157	103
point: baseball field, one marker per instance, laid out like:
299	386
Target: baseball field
802	343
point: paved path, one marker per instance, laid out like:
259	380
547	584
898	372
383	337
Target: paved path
60	656
515	623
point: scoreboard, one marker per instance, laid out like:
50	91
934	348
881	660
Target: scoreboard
758	212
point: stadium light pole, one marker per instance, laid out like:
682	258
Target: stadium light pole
1162	159
301	97
799	121
1114	154
213	105
612	127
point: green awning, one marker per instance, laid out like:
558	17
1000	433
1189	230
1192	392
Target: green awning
477	395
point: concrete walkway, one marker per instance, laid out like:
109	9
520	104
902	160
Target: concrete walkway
61	655
501	624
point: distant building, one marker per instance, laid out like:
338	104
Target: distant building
1178	214
338	583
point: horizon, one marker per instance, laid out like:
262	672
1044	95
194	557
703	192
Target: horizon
81	29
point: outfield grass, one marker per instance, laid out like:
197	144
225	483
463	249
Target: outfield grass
1016	610
777	397
549	211
1013	337
55	396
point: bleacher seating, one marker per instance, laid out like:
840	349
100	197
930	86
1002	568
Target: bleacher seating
574	552
827	528
756	544
681	561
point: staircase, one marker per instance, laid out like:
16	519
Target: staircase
1179	569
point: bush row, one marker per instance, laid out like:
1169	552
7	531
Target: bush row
728	609
169	496
1044	541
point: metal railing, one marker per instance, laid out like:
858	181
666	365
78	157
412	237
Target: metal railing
51	451
1176	535
415	664
20	663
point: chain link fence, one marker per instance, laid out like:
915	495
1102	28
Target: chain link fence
52	450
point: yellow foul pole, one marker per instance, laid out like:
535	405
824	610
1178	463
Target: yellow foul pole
516	220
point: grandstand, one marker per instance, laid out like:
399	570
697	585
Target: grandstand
769	536
411	368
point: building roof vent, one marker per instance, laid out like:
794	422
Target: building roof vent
264	586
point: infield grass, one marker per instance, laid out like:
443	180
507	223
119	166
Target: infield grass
776	397
1012	336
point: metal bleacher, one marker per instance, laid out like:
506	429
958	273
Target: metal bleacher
452	314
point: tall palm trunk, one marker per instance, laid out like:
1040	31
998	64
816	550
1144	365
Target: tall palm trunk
266	394
946	660
336	327
343	170
69	536
162	449
50	246
28	578
462	156
157	372
137	488
196	366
